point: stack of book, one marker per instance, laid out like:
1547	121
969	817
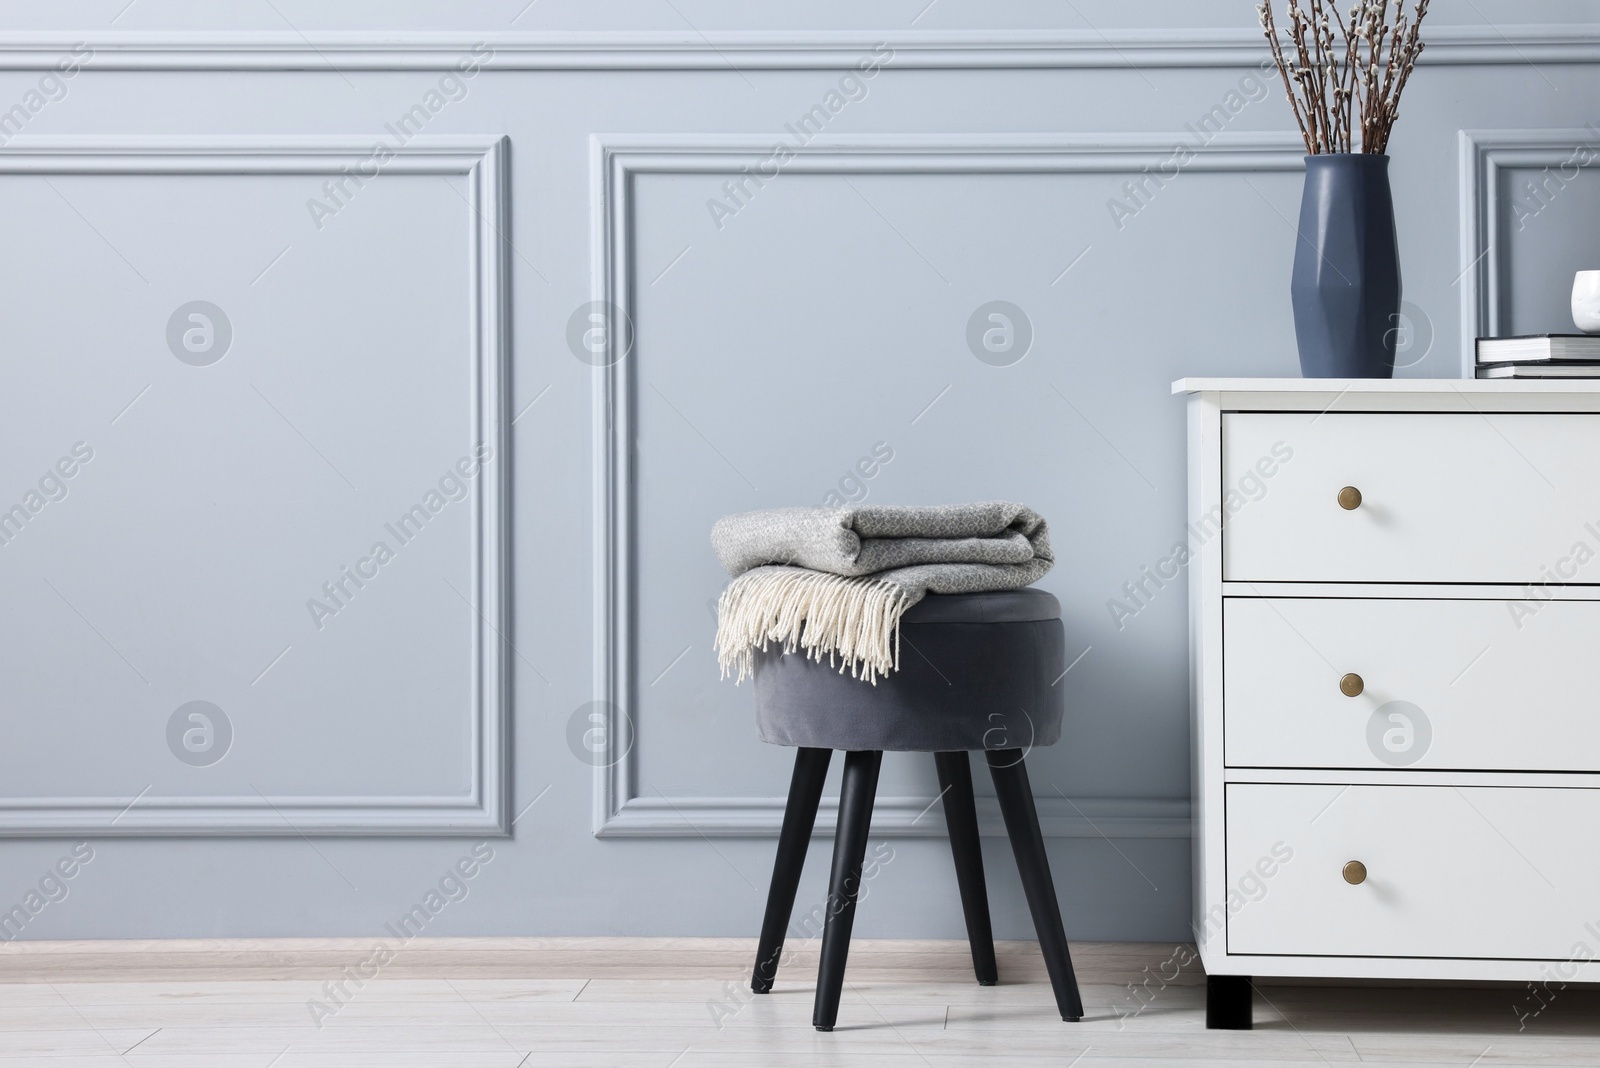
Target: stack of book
1539	356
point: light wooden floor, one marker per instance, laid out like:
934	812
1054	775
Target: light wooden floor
679	1003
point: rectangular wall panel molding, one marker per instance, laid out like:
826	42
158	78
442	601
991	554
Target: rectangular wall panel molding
618	809
1484	154
478	712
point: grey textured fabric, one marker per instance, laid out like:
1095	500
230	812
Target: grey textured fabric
834	582
961	685
955	548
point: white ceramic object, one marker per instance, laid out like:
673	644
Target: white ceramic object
1586	301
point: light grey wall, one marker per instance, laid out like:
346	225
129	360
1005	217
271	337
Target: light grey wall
772	348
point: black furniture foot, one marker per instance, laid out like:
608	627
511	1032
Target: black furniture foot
805	793
1022	826
856	795
1230	1001
961	819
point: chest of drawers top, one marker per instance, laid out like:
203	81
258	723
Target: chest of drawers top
1515	392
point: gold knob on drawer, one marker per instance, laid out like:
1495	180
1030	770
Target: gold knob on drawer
1349	498
1355	873
1351	685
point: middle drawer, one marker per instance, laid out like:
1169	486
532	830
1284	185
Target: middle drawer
1427	684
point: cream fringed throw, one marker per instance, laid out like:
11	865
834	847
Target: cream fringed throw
834	582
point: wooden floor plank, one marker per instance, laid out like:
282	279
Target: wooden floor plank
686	1003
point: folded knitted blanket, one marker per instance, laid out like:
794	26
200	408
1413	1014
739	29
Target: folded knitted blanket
834	582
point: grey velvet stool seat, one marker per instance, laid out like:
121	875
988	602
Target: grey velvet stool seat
977	672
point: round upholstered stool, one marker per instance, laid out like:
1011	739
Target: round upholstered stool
977	672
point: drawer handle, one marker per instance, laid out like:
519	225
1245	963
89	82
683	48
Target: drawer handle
1355	873
1349	498
1351	685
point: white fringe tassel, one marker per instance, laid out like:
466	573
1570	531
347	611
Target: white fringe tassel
855	620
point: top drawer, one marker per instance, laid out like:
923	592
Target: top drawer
1511	498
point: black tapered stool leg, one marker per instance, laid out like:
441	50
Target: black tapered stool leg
799	815
856	795
961	819
1229	1003
1022	826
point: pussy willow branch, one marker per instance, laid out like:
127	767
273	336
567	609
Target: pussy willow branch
1283	71
1409	52
1334	91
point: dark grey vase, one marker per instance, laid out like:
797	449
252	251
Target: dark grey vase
1346	284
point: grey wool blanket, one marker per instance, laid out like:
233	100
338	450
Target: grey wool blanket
834	582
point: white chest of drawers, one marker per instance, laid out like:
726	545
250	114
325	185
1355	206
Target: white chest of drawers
1395	681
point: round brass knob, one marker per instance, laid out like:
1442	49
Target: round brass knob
1351	685
1355	873
1349	498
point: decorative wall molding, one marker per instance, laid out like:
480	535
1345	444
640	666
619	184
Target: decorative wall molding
615	160
901	817
480	158
483	810
320	50
1484	153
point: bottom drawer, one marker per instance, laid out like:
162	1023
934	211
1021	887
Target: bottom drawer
1450	871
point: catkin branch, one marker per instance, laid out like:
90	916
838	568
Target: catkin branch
1334	92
